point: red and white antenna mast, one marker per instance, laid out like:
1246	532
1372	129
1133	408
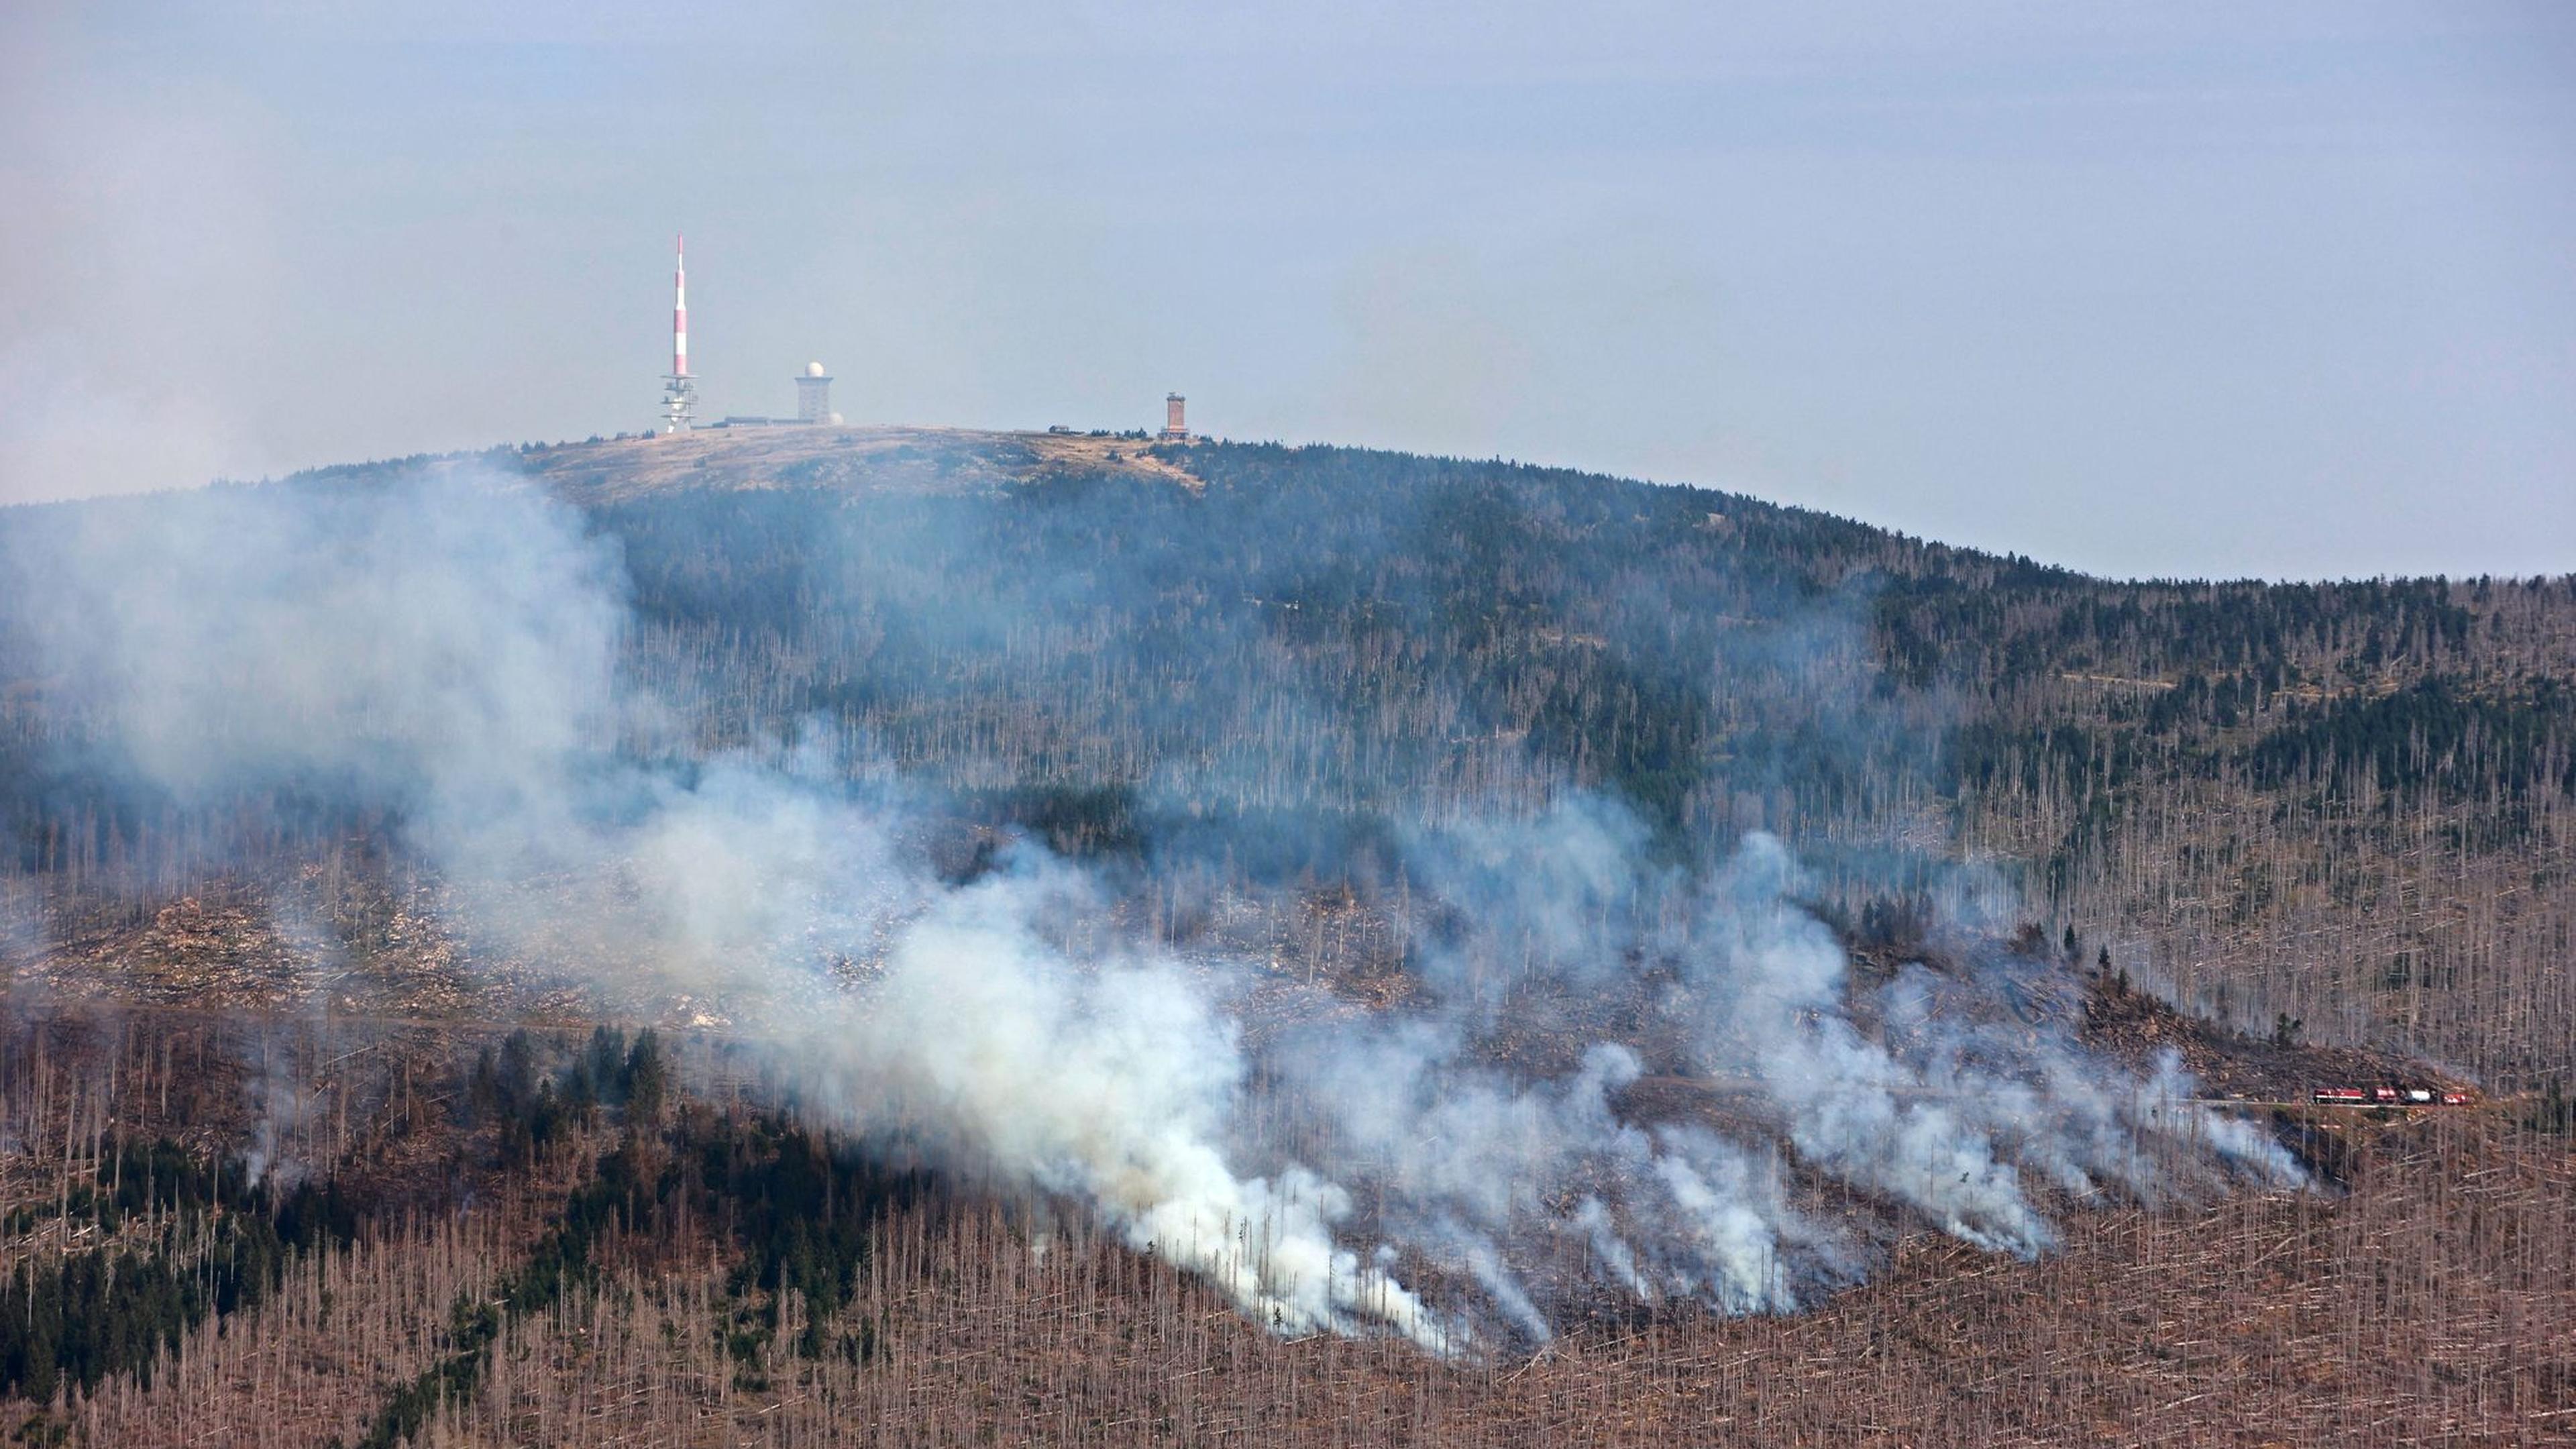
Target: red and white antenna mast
679	392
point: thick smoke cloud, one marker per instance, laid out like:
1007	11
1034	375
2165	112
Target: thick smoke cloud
447	648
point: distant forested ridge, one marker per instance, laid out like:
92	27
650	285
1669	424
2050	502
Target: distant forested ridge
2348	805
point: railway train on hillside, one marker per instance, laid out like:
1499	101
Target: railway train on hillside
2388	1097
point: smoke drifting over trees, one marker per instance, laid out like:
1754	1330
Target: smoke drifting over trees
457	659
1162	940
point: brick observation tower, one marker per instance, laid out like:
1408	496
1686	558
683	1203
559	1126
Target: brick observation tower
1174	427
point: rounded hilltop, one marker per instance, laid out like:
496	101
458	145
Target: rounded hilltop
874	457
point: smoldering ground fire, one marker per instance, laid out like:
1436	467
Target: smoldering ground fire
447	648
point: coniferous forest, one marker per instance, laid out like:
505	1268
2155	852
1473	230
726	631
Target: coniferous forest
298	1150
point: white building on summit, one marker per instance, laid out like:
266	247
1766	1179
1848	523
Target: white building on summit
814	396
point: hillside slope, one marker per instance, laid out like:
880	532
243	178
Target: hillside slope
2341	810
946	937
2339	807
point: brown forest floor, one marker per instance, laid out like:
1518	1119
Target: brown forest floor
2432	1305
2429	1300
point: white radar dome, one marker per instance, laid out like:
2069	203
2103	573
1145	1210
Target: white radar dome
813	369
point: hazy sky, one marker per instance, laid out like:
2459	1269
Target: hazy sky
2285	290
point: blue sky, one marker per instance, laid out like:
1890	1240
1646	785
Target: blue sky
2183	289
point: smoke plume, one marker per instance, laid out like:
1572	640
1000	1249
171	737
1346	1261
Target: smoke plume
1472	1164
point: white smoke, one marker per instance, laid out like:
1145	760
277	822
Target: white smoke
281	1106
1110	1081
449	647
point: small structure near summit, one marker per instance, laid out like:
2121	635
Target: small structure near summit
813	404
1175	429
814	395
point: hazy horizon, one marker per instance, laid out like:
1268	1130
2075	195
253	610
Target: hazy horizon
2201	292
